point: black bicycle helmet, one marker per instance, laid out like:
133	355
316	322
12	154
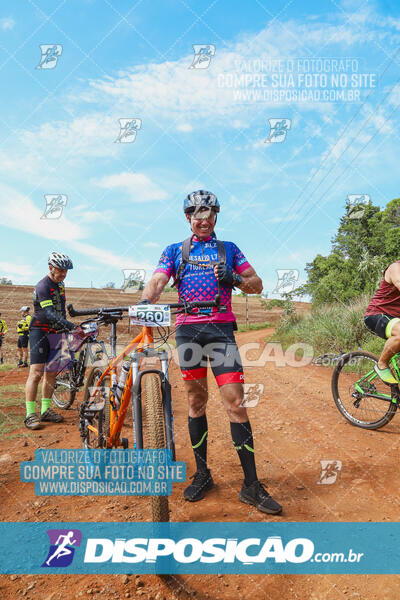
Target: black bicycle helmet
201	198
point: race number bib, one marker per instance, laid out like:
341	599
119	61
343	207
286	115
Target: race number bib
151	315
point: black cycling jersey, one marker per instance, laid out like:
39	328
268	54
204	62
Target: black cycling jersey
49	306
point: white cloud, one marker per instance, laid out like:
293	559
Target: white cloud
138	186
108	258
85	215
284	219
16	272
94	134
19	212
7	23
151	245
185	127
168	90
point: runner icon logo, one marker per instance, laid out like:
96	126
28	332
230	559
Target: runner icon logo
203	54
62	547
252	394
356	205
133	280
330	470
128	130
55	204
278	129
287	279
50	55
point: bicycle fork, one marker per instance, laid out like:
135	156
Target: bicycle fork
165	394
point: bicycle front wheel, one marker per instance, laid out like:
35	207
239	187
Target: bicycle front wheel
154	435
359	394
95	415
64	390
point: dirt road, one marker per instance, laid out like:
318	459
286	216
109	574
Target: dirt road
295	425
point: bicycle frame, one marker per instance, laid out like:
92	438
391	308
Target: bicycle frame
85	354
371	375
141	344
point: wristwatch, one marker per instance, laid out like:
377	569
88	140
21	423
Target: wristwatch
237	280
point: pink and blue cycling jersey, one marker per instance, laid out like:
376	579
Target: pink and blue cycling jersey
199	282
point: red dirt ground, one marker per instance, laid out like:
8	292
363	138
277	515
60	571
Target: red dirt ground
296	424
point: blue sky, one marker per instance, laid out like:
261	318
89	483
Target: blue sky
281	202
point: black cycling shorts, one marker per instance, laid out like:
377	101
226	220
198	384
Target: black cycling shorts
23	341
50	349
1	340
198	343
377	324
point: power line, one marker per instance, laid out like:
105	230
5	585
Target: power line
344	129
351	162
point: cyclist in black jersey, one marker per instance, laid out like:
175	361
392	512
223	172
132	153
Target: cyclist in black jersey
48	347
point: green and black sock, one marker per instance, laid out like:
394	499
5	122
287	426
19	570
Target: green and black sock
198	431
242	438
30	408
45	405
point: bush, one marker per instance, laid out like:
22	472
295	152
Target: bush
336	327
5	281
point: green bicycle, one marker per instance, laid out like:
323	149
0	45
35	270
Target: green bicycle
360	395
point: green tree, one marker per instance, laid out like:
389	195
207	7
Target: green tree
367	241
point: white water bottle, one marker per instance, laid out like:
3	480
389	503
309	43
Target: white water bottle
126	367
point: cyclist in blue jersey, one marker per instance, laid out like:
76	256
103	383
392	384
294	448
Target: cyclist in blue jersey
48	351
197	265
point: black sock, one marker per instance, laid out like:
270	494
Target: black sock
198	431
242	438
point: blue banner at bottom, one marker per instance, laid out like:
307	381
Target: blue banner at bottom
200	548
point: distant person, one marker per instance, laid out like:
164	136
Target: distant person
23	336
382	318
47	337
3	331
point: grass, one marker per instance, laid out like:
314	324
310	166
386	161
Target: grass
330	328
9	422
255	326
7	367
12	395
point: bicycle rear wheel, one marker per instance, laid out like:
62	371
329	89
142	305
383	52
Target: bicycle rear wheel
154	435
64	389
95	415
353	383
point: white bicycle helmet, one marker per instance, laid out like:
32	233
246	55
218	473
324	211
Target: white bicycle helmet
62	261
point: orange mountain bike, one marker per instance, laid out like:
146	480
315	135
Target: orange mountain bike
107	395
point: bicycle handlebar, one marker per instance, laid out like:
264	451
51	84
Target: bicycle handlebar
74	312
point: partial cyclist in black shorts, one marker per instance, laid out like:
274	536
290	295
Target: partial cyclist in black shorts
48	348
382	317
208	335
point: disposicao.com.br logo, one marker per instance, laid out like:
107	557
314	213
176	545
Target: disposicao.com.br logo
191	550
